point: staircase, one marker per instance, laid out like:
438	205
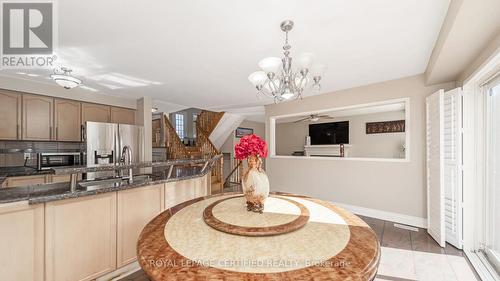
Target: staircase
233	180
205	124
173	144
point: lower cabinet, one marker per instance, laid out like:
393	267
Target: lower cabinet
83	238
136	207
22	241
177	192
181	191
80	237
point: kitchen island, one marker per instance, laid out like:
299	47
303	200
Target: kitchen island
51	232
334	244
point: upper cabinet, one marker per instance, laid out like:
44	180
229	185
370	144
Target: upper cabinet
42	118
10	119
37	117
67	114
122	115
95	112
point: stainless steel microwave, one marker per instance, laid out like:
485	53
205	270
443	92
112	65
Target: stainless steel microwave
57	159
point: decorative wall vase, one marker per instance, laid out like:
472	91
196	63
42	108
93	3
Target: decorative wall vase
255	185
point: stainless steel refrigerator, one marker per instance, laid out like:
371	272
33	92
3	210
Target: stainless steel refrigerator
105	142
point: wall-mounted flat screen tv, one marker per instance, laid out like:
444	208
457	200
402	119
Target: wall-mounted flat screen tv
329	133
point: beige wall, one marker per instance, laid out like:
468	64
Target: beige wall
228	146
290	137
258	129
389	186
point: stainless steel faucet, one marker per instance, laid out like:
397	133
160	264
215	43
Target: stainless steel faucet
126	158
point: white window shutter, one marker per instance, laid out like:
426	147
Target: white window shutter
452	166
435	186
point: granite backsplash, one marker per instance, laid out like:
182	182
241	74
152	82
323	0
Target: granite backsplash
8	157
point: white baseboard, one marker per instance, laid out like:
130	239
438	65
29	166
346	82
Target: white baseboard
384	215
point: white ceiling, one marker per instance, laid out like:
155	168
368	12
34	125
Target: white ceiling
199	53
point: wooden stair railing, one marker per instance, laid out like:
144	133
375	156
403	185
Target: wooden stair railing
208	150
173	144
234	176
208	120
205	124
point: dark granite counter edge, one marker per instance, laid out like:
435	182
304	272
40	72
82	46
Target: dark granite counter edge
79	194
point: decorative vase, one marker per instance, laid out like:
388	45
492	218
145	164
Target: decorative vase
255	185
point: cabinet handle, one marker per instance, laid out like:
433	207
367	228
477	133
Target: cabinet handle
82	133
50	132
57	133
17	131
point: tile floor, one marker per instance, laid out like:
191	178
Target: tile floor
406	256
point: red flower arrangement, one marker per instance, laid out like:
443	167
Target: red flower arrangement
250	145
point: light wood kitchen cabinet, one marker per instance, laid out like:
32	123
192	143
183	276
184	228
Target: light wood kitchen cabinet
136	207
201	187
181	191
67	118
25	180
95	112
80	237
22	241
122	115
37	117
10	117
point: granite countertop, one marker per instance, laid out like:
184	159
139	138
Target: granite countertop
17	171
122	166
36	194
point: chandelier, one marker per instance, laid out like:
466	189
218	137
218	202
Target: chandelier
281	81
63	78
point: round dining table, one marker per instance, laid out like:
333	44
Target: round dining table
295	238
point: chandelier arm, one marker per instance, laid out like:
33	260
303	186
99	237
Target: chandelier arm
276	88
266	92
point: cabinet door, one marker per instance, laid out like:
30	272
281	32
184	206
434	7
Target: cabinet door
37	117
178	192
21	243
67	120
95	112
80	237
26	180
136	207
10	119
201	186
122	115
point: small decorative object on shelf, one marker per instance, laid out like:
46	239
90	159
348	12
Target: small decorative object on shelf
255	183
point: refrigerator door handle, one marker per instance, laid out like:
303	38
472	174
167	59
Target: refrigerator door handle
110	157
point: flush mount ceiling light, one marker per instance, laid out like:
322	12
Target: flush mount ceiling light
154	109
279	80
63	78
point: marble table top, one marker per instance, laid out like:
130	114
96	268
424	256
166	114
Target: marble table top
333	245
